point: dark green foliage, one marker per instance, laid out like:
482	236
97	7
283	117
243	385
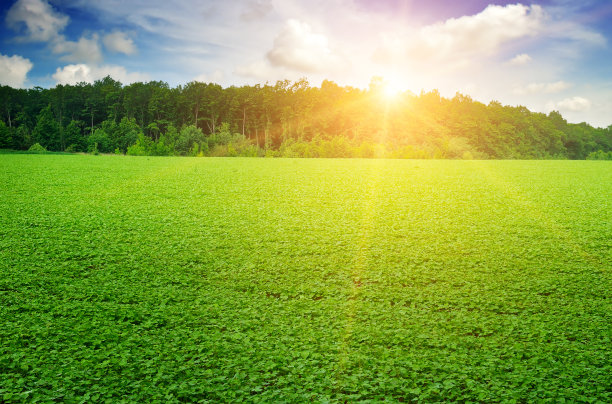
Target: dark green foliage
285	119
22	138
121	135
284	280
171	135
101	141
74	138
6	138
47	131
127	133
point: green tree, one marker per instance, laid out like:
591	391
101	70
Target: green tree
143	146
47	131
7	104
127	133
73	135
189	137
6	138
194	100
99	141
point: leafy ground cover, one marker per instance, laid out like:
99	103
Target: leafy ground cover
267	280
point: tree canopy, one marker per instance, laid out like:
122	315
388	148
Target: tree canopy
285	119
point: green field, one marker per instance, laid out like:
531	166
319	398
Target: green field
296	280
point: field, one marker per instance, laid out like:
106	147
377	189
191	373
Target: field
296	280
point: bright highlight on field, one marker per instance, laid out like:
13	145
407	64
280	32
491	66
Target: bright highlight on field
298	280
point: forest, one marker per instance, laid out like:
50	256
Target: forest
285	119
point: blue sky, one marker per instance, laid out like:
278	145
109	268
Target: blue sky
546	55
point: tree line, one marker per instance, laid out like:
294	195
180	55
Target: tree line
290	119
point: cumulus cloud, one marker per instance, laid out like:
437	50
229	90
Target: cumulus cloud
520	60
119	42
574	104
83	50
14	70
42	23
542	88
483	32
297	47
76	73
458	40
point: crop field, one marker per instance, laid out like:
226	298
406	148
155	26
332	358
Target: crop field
296	280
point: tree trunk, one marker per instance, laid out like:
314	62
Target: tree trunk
266	133
61	128
243	120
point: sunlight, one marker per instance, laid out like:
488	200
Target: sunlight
392	87
391	91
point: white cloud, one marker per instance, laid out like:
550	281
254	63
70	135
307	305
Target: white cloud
84	50
14	70
214	77
484	32
574	104
119	42
542	88
457	41
297	47
42	22
520	60
72	74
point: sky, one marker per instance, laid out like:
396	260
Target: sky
543	54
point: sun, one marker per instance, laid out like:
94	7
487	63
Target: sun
391	91
392	88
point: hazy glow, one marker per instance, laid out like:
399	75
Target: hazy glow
393	85
391	90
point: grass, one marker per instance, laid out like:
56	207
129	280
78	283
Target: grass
165	279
